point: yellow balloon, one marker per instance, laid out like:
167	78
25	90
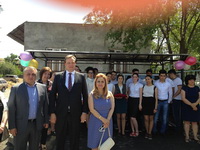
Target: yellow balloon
33	63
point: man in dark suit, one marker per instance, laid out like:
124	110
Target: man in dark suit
68	104
27	111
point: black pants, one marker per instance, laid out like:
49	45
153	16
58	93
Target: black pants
44	136
67	125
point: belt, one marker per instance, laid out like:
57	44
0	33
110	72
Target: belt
163	100
31	120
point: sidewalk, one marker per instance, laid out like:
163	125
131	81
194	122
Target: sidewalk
171	141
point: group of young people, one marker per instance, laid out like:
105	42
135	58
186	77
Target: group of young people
96	98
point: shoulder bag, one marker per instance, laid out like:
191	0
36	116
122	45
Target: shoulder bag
108	144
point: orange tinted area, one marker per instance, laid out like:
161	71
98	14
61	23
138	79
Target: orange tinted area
110	4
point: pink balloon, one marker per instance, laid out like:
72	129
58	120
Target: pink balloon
179	65
26	56
191	60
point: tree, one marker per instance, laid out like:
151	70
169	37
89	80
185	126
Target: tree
12	59
9	68
172	26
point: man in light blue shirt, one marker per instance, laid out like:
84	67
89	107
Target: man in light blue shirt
28	111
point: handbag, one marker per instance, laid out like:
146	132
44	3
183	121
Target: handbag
5	134
108	144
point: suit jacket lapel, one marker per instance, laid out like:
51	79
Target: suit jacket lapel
25	93
63	79
75	79
38	91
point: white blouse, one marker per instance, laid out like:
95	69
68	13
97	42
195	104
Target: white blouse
148	91
135	89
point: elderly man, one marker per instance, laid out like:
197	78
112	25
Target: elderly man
27	111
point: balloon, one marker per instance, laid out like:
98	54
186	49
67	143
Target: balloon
24	63
187	67
179	65
33	63
191	60
26	56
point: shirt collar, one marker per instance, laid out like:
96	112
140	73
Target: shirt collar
67	72
31	86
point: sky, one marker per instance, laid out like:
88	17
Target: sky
16	12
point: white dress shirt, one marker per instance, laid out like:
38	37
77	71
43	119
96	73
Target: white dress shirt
90	84
67	78
164	90
135	89
111	87
130	80
177	81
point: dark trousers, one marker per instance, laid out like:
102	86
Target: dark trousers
176	108
44	136
67	125
31	136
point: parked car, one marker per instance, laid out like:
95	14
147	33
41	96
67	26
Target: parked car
13	78
3	84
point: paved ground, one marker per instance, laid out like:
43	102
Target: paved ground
170	141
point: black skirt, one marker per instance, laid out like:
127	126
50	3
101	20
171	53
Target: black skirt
148	105
133	106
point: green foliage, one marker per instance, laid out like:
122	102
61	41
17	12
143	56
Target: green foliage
9	68
169	26
12	59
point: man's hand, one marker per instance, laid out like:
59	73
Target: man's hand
53	118
83	117
13	132
46	125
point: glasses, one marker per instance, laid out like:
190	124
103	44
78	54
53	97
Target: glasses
101	129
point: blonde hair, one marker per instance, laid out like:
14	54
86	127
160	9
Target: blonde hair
70	56
95	90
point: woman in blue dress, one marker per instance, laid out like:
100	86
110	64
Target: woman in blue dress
190	109
101	105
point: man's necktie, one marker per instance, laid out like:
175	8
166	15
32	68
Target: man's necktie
70	81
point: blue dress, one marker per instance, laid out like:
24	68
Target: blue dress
192	95
102	106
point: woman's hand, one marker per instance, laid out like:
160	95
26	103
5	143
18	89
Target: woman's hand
194	107
140	107
106	123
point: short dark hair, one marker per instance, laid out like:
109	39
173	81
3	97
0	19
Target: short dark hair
120	75
88	69
96	69
162	72
114	72
148	76
189	77
135	69
135	74
172	71
108	73
149	70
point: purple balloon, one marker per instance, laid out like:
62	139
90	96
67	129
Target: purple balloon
26	56
179	65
